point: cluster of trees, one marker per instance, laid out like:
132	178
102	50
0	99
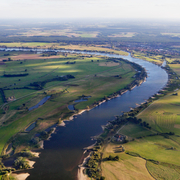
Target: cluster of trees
9	59
25	153
93	169
145	124
24	87
7	54
41	84
174	82
21	163
44	135
49	53
3	95
4	172
112	158
69	62
175	62
16	75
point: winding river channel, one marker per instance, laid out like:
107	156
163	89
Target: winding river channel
64	152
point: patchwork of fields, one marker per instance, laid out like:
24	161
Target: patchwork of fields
163	115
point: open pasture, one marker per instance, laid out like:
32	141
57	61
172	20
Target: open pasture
134	130
175	68
90	79
156	148
40	70
164	171
150	58
153	157
163	115
128	167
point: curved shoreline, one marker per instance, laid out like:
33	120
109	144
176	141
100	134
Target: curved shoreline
72	117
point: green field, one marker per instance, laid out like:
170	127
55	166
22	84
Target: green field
151	58
175	68
163	115
134	130
128	167
147	158
91	79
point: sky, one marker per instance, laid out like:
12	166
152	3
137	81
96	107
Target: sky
124	9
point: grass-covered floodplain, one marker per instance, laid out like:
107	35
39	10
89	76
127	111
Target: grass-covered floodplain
163	115
134	130
151	58
91	79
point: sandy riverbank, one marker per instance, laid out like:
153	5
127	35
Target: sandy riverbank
81	168
21	176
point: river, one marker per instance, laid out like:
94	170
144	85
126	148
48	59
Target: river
64	152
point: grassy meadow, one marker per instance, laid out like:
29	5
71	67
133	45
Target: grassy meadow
151	58
94	76
147	158
175	68
163	115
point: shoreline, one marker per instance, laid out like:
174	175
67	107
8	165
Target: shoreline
81	168
18	175
81	175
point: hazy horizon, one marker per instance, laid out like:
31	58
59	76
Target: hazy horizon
63	9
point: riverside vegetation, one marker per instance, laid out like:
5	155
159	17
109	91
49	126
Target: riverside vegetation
64	77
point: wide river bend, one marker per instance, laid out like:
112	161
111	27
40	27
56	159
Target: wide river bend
61	155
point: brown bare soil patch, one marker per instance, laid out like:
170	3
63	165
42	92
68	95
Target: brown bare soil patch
55	111
109	64
130	169
44	125
177	126
19	149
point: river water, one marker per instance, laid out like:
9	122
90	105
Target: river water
64	152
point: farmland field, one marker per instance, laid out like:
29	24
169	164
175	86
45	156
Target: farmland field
146	158
175	68
128	167
163	114
134	130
